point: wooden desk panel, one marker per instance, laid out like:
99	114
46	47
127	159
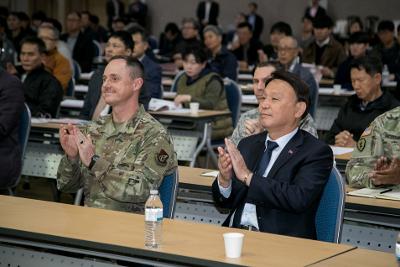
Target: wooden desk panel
360	258
124	233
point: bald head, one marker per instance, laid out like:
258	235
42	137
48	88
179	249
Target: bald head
287	50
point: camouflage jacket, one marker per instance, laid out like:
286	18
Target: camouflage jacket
133	160
381	138
306	124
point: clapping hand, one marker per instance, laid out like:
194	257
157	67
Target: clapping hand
386	172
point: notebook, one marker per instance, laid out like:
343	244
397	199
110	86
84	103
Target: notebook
384	193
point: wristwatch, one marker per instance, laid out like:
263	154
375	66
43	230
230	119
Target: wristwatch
93	161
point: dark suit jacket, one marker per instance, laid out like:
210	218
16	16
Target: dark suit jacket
152	77
11	105
287	199
84	50
214	12
258	27
112	13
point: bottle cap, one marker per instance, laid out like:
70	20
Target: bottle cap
153	192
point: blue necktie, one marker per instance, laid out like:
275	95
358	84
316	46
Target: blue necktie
266	157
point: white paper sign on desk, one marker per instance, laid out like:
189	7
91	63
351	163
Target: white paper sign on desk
337	150
161	104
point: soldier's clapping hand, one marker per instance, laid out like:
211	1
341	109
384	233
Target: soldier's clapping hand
85	147
68	141
386	173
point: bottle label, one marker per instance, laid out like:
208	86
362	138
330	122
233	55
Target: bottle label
153	214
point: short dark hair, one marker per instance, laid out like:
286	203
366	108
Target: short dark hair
386	25
198	51
245	25
171	27
321	22
371	64
359	38
194	22
94	19
54	22
355	20
35	41
300	88
273	64
124	37
254	4
136	67
136	29
76	13
39	15
281	27
23	16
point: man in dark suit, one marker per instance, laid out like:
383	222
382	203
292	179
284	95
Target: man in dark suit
276	190
11	105
255	20
152	70
207	12
114	10
79	42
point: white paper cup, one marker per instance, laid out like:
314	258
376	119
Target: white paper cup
194	108
233	244
336	89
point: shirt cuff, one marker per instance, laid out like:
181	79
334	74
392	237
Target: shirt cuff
225	191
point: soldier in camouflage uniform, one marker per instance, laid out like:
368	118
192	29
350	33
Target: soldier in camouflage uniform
375	160
121	156
248	123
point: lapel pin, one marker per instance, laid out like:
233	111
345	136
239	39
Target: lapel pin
290	151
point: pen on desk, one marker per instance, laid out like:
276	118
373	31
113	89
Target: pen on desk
385	191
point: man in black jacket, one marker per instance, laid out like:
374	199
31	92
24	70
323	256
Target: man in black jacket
11	105
43	93
361	109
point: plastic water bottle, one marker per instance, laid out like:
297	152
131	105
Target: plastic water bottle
153	220
398	248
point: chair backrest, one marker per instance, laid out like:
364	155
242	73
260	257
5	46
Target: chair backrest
71	88
23	135
168	191
77	70
234	99
329	217
174	82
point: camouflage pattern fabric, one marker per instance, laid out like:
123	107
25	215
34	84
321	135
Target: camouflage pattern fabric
306	124
381	138
134	157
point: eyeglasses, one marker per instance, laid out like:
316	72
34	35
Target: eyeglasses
286	49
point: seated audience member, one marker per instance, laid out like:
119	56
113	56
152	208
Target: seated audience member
190	37
355	25
118	24
276	177
43	93
325	50
137	12
100	33
152	70
358	48
375	162
37	18
246	53
255	20
169	39
288	51
278	31
363	107
249	122
11	106
79	42
388	49
220	59
54	62
200	84
306	36
122	156
118	44
16	32
231	35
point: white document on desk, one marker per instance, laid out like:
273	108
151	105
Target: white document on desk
156	104
210	174
337	150
72	103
